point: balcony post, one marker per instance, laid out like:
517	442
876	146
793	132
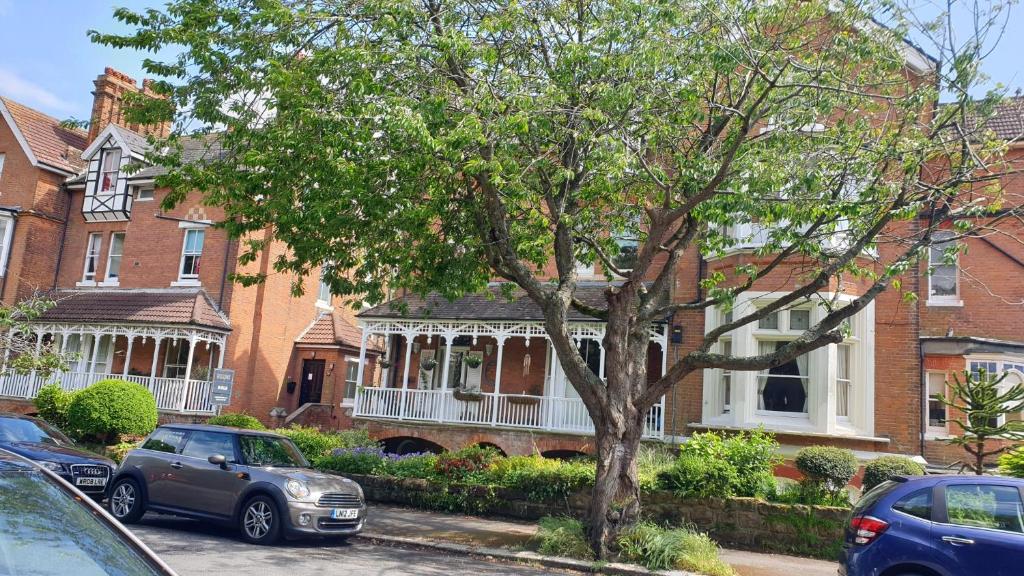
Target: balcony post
152	370
95	354
359	371
497	381
220	353
405	375
128	353
32	378
188	372
448	339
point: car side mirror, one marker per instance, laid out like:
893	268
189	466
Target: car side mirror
219	460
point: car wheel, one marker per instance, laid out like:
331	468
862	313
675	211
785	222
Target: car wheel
126	501
260	521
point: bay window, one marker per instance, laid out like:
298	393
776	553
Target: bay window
110	166
1012	372
351	380
936	410
827	390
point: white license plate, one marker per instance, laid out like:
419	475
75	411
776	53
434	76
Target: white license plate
345	513
90	481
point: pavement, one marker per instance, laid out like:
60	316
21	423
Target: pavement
454	528
403	541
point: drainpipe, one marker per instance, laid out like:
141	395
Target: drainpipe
63	236
224	275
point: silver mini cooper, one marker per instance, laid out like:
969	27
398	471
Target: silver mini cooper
258	481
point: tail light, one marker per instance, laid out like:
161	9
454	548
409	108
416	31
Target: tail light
867	529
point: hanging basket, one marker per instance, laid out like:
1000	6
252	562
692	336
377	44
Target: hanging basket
523	400
428	364
467	396
473	361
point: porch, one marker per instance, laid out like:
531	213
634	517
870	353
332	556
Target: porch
486	373
174	363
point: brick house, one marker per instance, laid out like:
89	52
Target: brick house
143	293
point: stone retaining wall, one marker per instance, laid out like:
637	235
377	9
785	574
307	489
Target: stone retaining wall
745	523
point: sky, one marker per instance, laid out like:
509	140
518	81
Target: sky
49	63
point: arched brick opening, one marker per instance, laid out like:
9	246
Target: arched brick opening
563	454
491	445
410	445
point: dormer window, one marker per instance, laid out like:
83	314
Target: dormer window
111	164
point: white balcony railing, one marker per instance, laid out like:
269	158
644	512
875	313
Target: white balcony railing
171	394
512	411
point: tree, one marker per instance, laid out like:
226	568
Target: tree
22	353
981	405
431	145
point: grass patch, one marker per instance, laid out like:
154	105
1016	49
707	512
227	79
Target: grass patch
660	548
560	536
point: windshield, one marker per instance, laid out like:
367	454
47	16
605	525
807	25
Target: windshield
24	430
44	531
270	451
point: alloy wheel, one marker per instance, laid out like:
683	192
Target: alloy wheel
123	500
258	519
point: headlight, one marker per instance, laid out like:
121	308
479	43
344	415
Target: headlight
296	488
52	466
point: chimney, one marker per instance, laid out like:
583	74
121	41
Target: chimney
107	102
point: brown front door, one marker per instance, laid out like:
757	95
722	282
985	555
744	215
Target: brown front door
312	381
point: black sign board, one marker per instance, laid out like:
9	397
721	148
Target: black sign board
220	391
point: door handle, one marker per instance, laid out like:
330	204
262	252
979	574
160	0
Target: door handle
957	541
176	465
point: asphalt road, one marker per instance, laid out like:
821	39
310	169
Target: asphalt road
194	548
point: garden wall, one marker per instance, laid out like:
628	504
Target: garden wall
745	523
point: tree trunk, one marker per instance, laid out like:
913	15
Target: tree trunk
615	503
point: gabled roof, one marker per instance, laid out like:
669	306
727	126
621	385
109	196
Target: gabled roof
47	144
194	149
330	329
130	141
165	306
489	305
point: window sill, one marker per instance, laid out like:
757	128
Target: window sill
789	431
109	283
348	403
945	303
181	283
86	284
324	306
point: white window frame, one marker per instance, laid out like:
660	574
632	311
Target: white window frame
323	302
140	189
1003	364
90	253
104	169
352	363
943	299
822	415
109	280
2	157
933	432
6	234
189	279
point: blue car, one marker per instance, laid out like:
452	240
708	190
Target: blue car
937	526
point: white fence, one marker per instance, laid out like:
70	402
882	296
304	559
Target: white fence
171	394
513	410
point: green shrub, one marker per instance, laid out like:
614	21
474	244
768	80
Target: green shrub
562	537
469	461
886	467
1012	463
811	494
118	452
826	467
745	461
110	408
650	462
237	420
52	403
694	476
316	445
539	478
659	548
359	460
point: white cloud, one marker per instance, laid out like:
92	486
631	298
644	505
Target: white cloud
29	93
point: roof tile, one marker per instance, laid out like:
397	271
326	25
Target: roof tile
51	143
191	307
